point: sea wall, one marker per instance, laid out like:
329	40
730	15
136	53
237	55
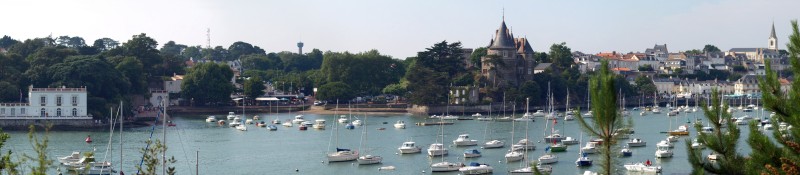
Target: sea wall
70	124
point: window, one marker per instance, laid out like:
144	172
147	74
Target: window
12	111
74	112
58	101
43	100
21	110
2	110
42	113
58	112
74	100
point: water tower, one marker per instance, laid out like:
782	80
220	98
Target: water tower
300	47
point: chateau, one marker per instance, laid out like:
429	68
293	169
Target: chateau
509	61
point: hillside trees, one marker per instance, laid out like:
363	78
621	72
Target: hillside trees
208	83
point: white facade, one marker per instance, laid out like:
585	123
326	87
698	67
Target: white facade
174	85
49	103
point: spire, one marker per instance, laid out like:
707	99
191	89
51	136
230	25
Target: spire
772	34
503	38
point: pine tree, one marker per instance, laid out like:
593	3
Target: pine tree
783	157
606	117
720	142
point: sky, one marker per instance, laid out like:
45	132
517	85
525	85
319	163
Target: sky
402	28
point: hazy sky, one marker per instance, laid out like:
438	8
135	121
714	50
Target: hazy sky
403	27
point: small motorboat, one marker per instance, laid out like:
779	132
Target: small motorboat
409	147
211	119
303	127
74	157
589	148
249	121
548	159
287	124
255	117
343	119
169	123
349	126
470	153
643	167
570	141
400	124
626	152
276	121
272	128
261	124
476	168
231	115
298	119
663	152
636	142
319	124
221	122
493	144
463	140
584	160
386	168
357	122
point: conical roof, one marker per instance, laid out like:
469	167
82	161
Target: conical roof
524	46
503	38
772	34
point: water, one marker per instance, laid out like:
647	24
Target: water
257	151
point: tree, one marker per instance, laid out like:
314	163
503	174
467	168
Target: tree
143	48
530	90
104	44
335	91
100	77
561	55
399	89
693	52
132	69
645	85
722	141
710	49
40	147
606	119
6	164
782	157
171	48
254	87
152	159
477	54
645	67
71	42
6	42
239	48
260	62
367	72
194	52
208	83
431	71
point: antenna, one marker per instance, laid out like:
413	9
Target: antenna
208	38
504	13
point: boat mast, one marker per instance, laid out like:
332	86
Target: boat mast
122	120
164	156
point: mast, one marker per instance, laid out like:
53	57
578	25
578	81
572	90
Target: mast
164	156
122	120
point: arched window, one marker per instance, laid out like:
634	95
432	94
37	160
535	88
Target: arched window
42	112
74	112
58	112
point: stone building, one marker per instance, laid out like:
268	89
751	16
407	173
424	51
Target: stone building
509	61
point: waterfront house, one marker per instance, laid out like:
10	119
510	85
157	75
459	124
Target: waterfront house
48	103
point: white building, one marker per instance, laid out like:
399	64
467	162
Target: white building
174	85
49	103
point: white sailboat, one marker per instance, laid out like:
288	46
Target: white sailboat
242	126
368	158
341	154
438	149
493	143
514	155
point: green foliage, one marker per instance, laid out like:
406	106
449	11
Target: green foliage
261	62
399	89
710	48
429	74
645	85
646	67
722	141
693	52
6	41
104	44
71	42
254	87
782	157
603	87
6	164
335	91
366	72
40	147
561	56
171	48
239	48
143	48
208	83
132	69
42	61
476	56
97	75
152	159
193	52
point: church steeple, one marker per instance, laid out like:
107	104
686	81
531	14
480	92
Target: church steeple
773	39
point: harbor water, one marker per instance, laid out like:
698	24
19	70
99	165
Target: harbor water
225	150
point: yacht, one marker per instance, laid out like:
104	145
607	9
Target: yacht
523	144
287	124
663	152
641	167
97	168
470	153
272	128
545	169
588	115
357	122
570	141
74	157
665	144
583	160
409	147
449	117
494	144
513	156
342	155
626	152
343	119
553	138
241	127
445	166
463	140
548	159
276	121
400	124
476	168
673	138
589	148
437	149
369	159
211	119
298	119
538	113
319	124
636	142
697	145
231	115
569	117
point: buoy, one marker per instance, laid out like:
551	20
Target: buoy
296	170
88	139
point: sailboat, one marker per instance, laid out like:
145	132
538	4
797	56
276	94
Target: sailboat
569	116
438	149
514	154
242	126
583	159
655	109
341	154
588	105
494	143
368	158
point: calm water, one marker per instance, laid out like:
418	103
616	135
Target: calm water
257	151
